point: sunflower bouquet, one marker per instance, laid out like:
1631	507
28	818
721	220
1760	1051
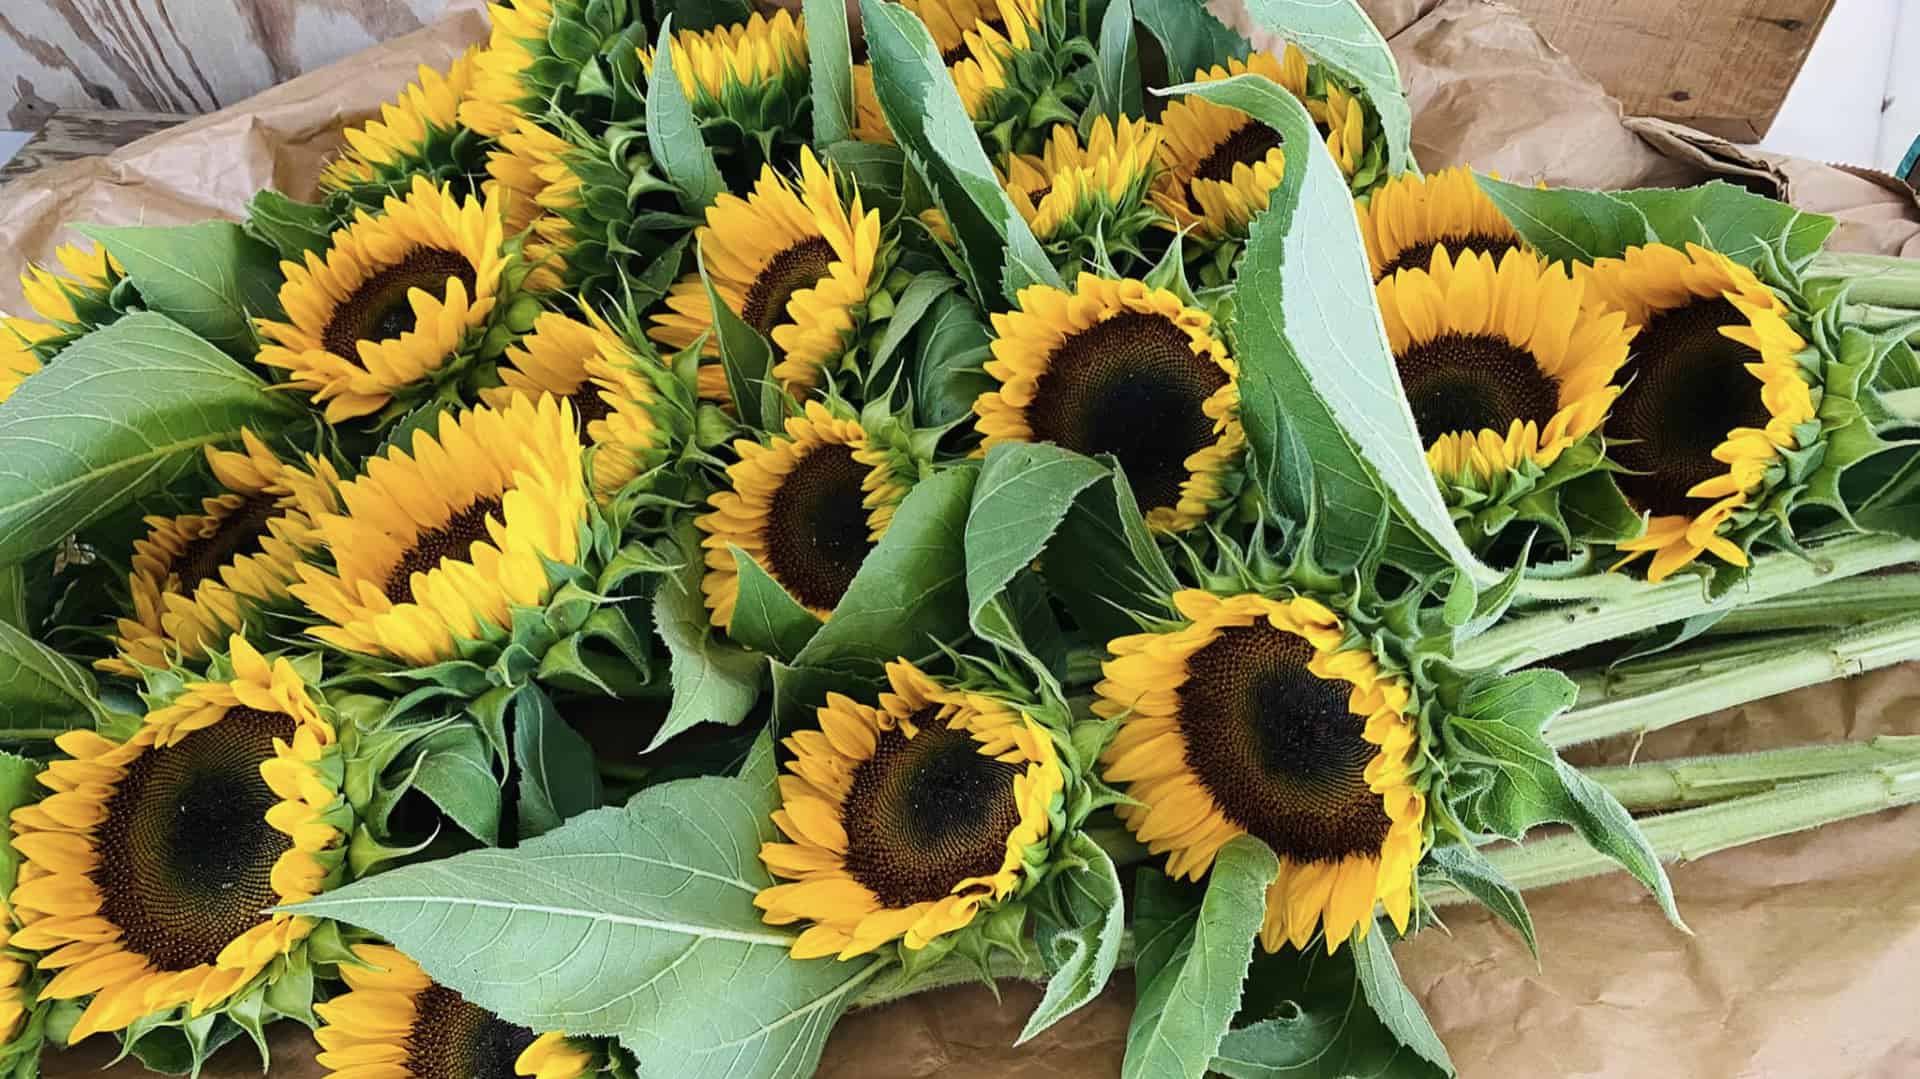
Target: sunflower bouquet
714	518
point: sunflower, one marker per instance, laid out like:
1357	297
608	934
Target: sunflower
437	548
1259	717
1501	365
1117	367
74	299
412	133
795	262
807	507
613	399
906	820
13	976
394	303
199	577
147	870
1217	164
1099	188
396	1023
1718	395
1411	216
753	74
532	174
503	91
951	21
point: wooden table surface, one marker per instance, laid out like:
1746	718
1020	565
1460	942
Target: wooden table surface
72	133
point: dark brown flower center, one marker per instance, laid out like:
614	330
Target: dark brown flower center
798	267
1247	145
1131	386
379	310
452	1038
238	533
186	855
455	540
1420	256
589	405
1689	389
1277	747
927	812
1474	382
816	530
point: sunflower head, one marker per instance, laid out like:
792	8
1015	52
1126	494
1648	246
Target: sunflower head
1721	407
18	359
399	304
618	396
199	577
418	134
1410	217
908	818
435	549
1008	68
1117	367
67	302
543	58
807	507
869	123
1217	164
149	868
397	1023
752	75
1274	717
1076	195
1505	368
796	262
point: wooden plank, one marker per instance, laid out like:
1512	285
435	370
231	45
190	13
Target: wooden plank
183	56
1723	66
74	133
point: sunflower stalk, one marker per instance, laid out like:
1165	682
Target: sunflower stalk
1673	689
1690	834
961	970
1659	786
1876	280
1592	610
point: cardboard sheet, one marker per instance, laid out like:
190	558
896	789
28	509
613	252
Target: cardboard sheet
1805	947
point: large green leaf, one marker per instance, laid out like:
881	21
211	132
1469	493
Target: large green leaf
765	615
1082	946
42	693
922	107
830	66
1189	35
210	277
1339	34
1185	1010
1306	1017
1104	564
1024	492
454	769
673	135
17	788
910	593
714	680
1311	345
1568	224
949	361
1391	1000
1731	220
558	776
745	356
1117	72
636	923
126	412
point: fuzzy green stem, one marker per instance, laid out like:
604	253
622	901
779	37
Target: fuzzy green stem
1614	605
1667	785
1879	280
1729	674
1852	602
1904	404
955	970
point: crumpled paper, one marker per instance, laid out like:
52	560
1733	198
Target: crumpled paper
1804	947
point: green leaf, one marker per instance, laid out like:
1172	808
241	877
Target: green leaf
745	356
910	308
922	107
1385	990
1342	36
636	923
1472	873
559	777
210	277
911	591
455	770
1524	699
673	135
1117	73
1103	563
1731	220
291	227
43	694
879	172
1185	1010
1164	911
949	366
1306	1017
18	787
1310	343
1024	492
1081	952
126	412
1567	223
1189	35
713	681
830	63
765	616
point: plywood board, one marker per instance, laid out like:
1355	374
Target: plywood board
1723	66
